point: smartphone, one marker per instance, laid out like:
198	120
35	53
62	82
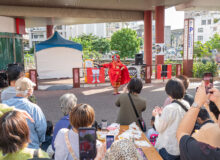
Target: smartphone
109	140
208	79
141	152
87	143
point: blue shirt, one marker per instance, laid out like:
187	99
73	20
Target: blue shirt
38	127
62	123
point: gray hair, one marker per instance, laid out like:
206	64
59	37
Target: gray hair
67	102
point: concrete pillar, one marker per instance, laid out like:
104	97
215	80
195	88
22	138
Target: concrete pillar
148	43
159	30
49	31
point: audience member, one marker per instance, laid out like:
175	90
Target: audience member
189	98
126	113
82	115
67	102
152	134
168	119
24	88
14	72
122	150
14	138
203	118
191	148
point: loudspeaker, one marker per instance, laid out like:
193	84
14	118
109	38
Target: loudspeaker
164	71
138	59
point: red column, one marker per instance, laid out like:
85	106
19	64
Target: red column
148	43
49	31
159	30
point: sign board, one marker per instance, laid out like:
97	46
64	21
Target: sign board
188	39
185	48
160	48
95	75
88	63
134	71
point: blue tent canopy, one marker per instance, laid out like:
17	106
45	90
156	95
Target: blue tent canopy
57	41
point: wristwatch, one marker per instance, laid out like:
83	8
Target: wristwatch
195	105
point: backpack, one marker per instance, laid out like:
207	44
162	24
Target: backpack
153	138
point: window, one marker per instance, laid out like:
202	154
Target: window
203	22
214	29
35	36
209	21
200	30
200	38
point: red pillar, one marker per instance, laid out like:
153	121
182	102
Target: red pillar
159	30
148	43
49	31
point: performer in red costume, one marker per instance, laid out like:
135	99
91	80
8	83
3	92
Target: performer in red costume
118	73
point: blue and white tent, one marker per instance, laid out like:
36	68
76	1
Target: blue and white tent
56	57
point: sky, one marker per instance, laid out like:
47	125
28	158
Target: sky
174	18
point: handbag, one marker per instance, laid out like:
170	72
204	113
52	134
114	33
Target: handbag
140	119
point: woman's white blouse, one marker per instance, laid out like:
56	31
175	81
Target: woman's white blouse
166	124
61	150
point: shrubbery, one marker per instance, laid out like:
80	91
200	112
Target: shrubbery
200	68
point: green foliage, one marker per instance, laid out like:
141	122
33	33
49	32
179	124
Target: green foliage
216	20
215	42
204	50
125	42
200	68
101	45
93	46
201	50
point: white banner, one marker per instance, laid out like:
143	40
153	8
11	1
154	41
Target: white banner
185	50
190	39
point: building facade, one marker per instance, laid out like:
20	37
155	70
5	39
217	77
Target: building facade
207	23
38	34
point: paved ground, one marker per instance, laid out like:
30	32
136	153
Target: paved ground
103	101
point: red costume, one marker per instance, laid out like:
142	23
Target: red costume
118	72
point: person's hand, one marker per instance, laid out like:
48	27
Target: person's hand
214	96
201	96
25	114
101	152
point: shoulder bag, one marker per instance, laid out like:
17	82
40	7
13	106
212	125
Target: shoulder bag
140	120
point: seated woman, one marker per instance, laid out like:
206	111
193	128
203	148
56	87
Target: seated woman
67	102
14	138
82	115
167	120
126	113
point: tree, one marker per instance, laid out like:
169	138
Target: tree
101	45
93	46
201	50
125	41
215	42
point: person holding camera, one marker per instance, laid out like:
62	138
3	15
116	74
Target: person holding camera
205	144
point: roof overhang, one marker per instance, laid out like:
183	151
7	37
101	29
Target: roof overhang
56	12
199	5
